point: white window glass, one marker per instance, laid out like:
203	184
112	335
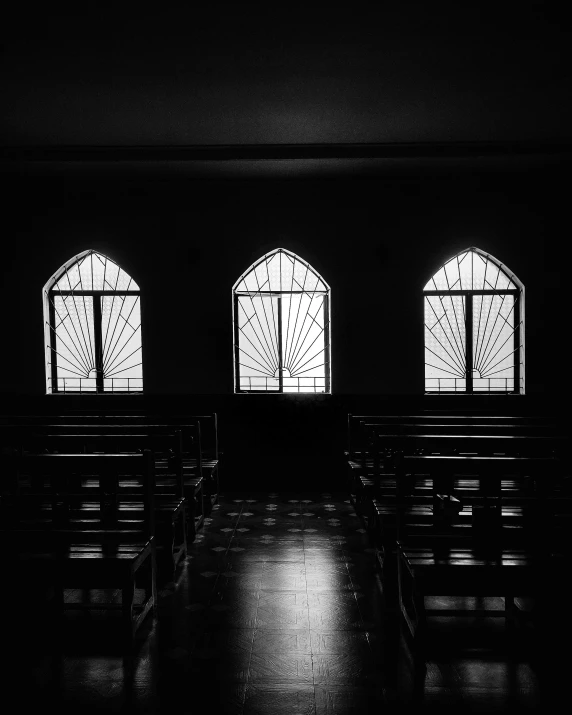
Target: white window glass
92	317
121	342
493	342
282	327
474	294
74	342
445	342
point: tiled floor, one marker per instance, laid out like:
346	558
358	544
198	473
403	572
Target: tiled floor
276	610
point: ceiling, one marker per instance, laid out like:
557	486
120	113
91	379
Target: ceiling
406	76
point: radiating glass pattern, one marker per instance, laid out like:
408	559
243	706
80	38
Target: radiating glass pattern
472	270
93	271
92	310
493	342
282	327
474	292
74	342
121	333
445	342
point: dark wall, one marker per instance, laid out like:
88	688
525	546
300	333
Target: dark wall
254	73
376	242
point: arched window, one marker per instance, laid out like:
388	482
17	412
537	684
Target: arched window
474	326
281	315
92	319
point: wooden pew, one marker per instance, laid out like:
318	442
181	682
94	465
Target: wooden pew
449	567
171	524
203	462
442	456
407	497
359	458
396	452
437	420
507	553
206	460
506	520
190	444
41	524
465	507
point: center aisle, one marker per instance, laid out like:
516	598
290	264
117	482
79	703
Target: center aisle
278	613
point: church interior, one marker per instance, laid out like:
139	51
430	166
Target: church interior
272	535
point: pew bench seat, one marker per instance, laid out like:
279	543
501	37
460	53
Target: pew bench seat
88	560
450	568
164	487
84	515
510	525
461	486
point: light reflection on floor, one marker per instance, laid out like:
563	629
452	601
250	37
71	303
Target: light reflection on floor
276	610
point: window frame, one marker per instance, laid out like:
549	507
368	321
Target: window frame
51	359
236	294
518	336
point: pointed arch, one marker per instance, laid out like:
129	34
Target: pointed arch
474	326
92	327
282	330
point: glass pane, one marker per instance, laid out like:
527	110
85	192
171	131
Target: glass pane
94	271
74	384
493	342
471	270
111	275
445	363
257	322
280	271
74	341
303	341
121	342
69	280
259	383
452	273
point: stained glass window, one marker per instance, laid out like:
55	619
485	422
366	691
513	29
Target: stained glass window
92	319
474	326
281	314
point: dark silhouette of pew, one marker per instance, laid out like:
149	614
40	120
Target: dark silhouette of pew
41	524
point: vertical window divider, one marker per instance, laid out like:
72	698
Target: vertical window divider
326	304
52	334
280	346
97	342
517	339
469	341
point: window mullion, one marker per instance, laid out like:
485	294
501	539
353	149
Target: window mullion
327	358
280	358
236	348
469	341
98	342
53	354
516	353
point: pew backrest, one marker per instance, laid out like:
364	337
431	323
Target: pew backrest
57	473
441	420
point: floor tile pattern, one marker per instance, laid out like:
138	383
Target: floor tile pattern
276	610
